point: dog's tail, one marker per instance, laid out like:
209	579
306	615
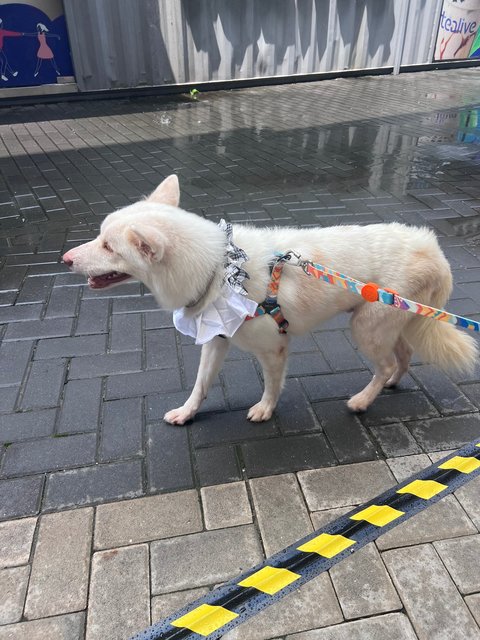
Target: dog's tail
442	344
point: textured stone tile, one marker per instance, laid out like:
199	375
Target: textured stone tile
346	485
395	439
431	600
61	561
406	466
20	497
145	519
226	505
16	539
473	603
94	484
312	605
444	519
461	557
266	457
69	627
13	586
320	519
203	558
394	626
163	606
446	433
81	406
15	427
217	465
168	458
119	602
468	498
363	585
281	512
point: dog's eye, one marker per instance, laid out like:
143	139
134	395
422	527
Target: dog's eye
107	247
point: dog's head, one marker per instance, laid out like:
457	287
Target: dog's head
131	240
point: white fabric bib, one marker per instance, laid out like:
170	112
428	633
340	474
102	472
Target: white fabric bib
223	316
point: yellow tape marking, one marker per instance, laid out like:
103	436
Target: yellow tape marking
478	444
425	489
464	465
270	580
327	545
378	515
205	619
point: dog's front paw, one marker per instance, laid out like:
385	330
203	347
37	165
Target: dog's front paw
260	412
179	416
358	403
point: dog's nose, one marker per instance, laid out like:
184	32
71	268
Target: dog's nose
67	259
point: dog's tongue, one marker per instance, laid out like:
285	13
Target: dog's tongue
106	279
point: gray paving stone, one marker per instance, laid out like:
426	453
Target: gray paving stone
69	347
405	467
473	603
242	384
20	496
281	512
446	433
363	585
80	409
265	457
447	396
444	519
312	605
347	436
49	454
320	519
142	383
395	439
8	398
217	465
44	384
104	365
394	626
168	458
69	627
431	600
119	603
61	562
226	505
93	484
345	485
338	351
34	329
92	316
337	385
13	586
293	412
126	333
14	359
16	539
394	407
19	426
161	349
121	430
460	557
468	498
203	559
145	519
163	606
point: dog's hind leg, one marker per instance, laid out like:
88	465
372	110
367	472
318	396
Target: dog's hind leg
377	331
274	365
403	353
211	360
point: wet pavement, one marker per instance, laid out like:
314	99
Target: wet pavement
86	376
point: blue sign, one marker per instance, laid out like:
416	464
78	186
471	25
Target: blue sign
34	45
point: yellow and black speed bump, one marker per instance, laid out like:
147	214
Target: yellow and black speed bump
226	607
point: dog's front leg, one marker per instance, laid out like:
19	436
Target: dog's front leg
211	360
274	365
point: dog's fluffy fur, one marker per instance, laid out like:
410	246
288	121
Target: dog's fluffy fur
179	256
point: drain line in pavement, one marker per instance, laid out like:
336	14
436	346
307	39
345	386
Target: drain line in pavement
224	608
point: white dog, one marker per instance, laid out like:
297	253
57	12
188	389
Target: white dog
192	266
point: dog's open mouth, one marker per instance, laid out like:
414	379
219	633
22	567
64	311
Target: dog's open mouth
107	279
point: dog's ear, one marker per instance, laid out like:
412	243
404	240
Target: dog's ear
151	243
167	192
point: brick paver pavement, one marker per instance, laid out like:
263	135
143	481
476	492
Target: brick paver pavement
85	377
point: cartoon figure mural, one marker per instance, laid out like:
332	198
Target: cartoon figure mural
4	66
34	45
44	52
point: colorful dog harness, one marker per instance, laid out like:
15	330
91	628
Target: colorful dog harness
270	305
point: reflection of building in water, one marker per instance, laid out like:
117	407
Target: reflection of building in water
458	126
